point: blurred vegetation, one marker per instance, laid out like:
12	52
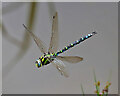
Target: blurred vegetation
105	89
82	90
97	86
24	45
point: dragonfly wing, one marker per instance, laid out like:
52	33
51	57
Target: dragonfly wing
70	59
54	36
39	43
60	66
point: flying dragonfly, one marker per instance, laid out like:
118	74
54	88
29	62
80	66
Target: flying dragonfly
52	55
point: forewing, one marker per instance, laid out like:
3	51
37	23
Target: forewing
70	59
39	43
60	66
54	36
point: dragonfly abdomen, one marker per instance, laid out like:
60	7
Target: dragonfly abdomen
76	42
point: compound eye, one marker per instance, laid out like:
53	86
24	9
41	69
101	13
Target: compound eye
39	64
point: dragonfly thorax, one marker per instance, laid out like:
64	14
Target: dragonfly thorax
45	59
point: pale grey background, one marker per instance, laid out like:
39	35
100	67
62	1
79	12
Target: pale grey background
75	20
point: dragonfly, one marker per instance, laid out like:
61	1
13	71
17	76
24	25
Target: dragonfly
51	56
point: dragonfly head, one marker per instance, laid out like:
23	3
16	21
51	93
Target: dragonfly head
38	63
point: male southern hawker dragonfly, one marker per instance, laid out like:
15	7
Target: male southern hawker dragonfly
52	55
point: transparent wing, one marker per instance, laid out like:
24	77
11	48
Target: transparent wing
60	66
54	36
70	59
39	43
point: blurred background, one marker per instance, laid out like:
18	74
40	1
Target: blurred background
19	51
